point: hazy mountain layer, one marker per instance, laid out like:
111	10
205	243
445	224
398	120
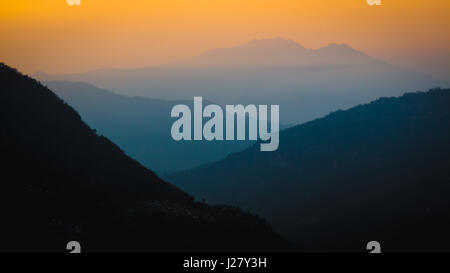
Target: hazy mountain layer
280	52
307	84
141	127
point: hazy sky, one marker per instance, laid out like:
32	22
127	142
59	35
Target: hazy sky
50	35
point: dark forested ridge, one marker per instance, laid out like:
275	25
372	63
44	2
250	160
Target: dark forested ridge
60	182
379	171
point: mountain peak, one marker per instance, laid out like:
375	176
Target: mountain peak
336	45
339	49
272	43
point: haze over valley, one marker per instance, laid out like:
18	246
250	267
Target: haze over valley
307	84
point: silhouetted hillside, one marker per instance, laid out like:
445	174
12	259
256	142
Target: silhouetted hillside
61	182
379	171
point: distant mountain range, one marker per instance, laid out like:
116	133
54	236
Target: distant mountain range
379	171
62	182
280	52
306	83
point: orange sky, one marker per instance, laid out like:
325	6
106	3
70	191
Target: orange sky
53	36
